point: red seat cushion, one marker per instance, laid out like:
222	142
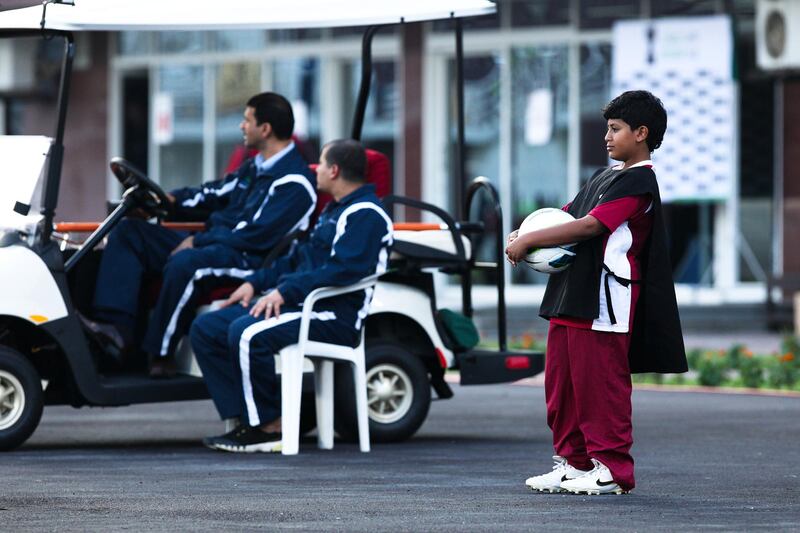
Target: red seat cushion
379	173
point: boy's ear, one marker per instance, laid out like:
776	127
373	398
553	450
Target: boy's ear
641	133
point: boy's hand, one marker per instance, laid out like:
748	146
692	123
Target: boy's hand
512	237
516	250
243	294
269	305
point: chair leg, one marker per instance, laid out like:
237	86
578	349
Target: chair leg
291	393
323	396
360	381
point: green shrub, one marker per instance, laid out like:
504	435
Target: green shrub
782	370
712	368
693	357
751	369
735	354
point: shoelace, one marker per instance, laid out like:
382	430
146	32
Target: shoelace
561	463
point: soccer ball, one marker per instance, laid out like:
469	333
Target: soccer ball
548	260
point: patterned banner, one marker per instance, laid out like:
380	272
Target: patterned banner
687	63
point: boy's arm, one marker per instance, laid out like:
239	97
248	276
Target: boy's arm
575	231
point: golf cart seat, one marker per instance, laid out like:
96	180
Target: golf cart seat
430	246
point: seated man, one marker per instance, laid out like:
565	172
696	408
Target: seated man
252	209
235	345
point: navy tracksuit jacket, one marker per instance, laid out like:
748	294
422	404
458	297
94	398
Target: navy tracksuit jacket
252	209
235	351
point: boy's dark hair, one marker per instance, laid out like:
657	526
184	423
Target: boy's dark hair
351	158
640	108
275	109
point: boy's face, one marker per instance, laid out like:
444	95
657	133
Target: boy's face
622	142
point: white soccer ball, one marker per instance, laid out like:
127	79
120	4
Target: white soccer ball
548	260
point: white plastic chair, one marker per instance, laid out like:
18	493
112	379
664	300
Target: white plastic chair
323	355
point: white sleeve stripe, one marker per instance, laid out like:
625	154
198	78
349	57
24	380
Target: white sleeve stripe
342	222
225	189
289	178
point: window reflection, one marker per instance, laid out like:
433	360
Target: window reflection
298	80
235	84
539	136
181	160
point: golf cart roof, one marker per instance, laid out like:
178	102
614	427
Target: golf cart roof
177	15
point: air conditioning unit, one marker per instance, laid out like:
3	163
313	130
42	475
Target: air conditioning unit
17	65
778	34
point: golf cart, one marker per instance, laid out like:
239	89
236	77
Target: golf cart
46	356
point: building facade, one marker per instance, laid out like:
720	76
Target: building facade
171	103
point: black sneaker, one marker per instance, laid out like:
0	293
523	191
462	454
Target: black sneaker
245	439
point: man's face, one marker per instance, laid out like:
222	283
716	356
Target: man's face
252	133
621	140
324	172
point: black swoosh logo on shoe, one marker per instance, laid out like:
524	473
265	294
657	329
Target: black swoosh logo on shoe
564	478
605	483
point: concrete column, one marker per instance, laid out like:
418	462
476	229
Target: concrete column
408	182
791	176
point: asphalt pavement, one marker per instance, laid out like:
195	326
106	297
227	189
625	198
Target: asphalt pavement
704	462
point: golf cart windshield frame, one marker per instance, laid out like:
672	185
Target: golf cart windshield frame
53	174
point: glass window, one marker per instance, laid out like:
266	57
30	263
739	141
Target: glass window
482	139
540	120
756	185
181	42
298	80
595	94
538	12
380	117
235	84
485	22
234	40
683	7
603	13
181	160
302	34
134	42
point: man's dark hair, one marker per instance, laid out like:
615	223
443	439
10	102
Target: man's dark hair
640	108
351	158
275	109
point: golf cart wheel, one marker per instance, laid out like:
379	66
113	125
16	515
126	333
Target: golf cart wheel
398	395
20	399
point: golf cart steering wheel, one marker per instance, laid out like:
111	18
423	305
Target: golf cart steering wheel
147	193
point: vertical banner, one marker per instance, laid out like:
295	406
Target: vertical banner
688	64
163	118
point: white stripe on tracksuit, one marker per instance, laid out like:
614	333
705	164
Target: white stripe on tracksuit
383	256
225	189
187	293
244	352
289	178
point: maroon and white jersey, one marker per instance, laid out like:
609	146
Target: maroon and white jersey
629	221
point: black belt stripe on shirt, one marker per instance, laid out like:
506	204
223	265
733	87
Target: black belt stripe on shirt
622	281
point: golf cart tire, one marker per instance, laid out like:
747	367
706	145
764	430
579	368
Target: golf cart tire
385	362
21	399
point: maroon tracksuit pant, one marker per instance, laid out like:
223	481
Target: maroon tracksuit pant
588	393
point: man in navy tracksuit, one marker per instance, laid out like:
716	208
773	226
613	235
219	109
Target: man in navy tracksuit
252	209
235	345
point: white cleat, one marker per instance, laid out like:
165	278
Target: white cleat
551	482
594	482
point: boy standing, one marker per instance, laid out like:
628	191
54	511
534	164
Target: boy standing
621	271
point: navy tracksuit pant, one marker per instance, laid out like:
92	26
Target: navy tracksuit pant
136	249
236	354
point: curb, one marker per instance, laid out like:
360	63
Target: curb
538	381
